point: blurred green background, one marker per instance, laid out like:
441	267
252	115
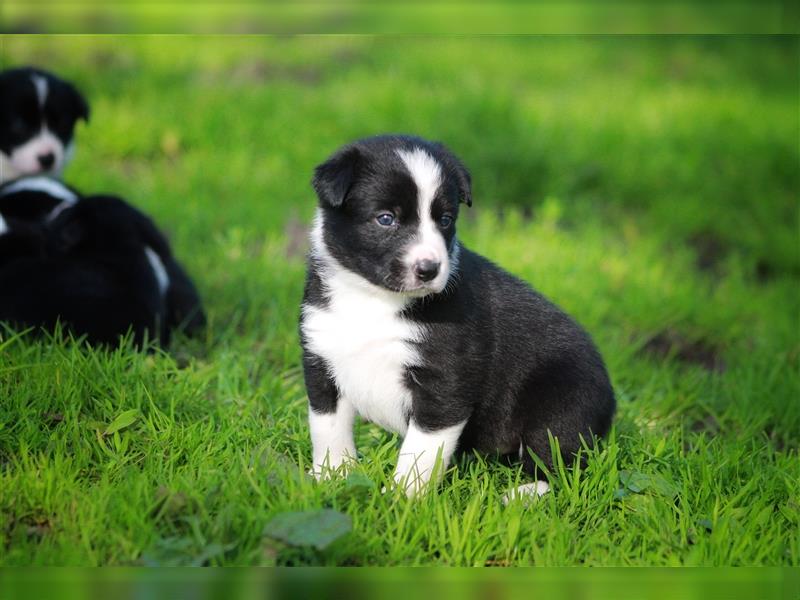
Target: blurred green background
399	17
463	584
649	185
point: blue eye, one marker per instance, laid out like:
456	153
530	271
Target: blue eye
385	219
445	221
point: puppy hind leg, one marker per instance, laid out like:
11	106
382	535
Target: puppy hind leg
526	492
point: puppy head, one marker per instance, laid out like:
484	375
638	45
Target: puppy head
38	113
388	209
103	226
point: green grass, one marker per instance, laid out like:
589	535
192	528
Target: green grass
647	185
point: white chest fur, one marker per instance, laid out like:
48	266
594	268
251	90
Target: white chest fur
367	346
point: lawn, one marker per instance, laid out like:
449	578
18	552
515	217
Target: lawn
648	185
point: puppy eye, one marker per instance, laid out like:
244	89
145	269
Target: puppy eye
385	219
445	221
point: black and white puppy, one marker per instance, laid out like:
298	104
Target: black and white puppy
405	327
96	264
38	113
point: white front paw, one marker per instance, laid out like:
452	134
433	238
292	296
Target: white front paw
325	468
412	482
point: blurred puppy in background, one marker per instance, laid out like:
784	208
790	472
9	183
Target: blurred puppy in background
96	264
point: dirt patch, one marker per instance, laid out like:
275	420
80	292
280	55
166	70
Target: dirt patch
710	251
765	271
707	424
783	441
296	237
51	419
30	527
671	343
261	72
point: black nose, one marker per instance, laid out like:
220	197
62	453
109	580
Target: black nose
426	269
47	160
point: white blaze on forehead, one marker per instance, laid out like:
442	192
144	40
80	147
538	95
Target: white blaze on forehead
3	225
426	173
40	83
45	185
429	243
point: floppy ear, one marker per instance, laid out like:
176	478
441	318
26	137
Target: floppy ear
69	234
333	178
460	172
79	102
464	180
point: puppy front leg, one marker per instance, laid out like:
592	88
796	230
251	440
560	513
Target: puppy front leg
331	438
330	420
425	454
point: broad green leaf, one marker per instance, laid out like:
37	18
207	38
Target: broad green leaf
638	482
123	420
359	481
318	528
635	481
97	425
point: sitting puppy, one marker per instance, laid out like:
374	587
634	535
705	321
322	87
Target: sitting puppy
404	326
101	267
38	112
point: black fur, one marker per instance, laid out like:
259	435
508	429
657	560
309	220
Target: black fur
88	269
32	206
496	353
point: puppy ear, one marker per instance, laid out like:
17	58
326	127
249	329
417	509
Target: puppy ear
333	178
69	234
66	229
464	180
460	173
81	106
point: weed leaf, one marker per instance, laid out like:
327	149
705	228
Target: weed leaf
358	482
638	483
318	528
123	420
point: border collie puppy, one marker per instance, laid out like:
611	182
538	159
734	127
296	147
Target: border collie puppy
405	327
101	268
38	113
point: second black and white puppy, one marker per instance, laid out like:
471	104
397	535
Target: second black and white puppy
38	113
96	264
405	327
